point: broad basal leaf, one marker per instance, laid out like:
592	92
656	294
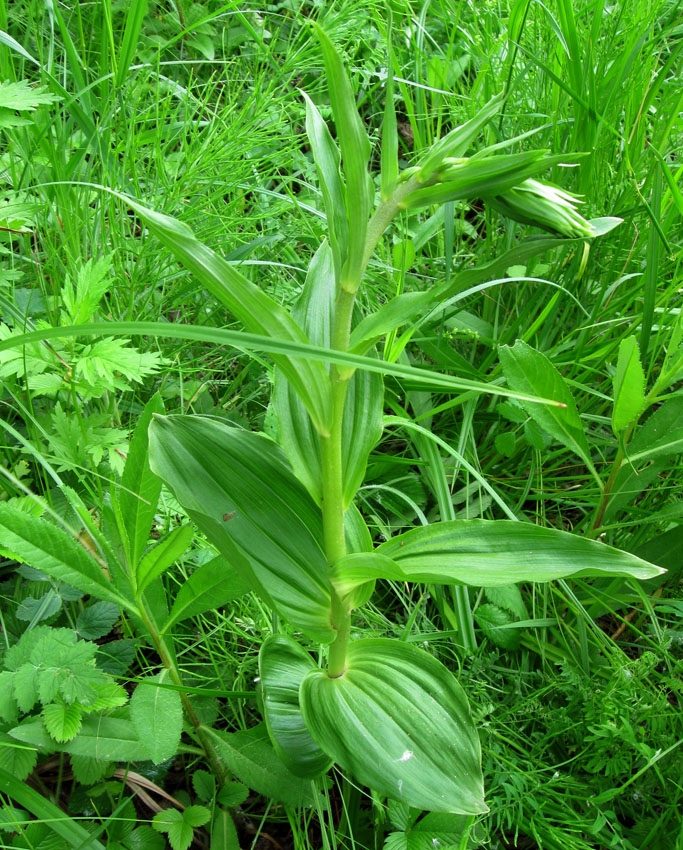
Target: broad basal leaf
283	664
239	489
397	720
157	716
251	758
485	553
49	549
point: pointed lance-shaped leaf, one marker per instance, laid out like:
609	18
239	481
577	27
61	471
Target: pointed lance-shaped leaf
239	489
355	150
486	553
256	310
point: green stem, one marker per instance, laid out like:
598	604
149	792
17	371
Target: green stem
215	761
331	457
611	481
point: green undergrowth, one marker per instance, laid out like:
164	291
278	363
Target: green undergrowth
196	110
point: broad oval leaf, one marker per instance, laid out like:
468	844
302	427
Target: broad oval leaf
239	489
529	371
157	716
283	664
399	722
485	553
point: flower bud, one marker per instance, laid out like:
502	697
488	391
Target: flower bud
543	205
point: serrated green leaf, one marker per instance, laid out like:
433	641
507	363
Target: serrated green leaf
8	704
116	656
629	386
62	721
232	795
145	838
397	720
529	371
36	610
508	597
486	553
50	550
157	716
283	664
163	555
26	686
204	785
16	759
21	97
490	618
252	759
239	489
97	620
87	770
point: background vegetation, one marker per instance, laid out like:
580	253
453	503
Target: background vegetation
196	110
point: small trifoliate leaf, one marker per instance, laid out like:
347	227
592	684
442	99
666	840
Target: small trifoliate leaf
16	758
204	785
97	620
62	721
233	794
179	826
157	716
87	770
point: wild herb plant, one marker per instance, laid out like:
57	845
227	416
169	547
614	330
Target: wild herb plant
318	566
283	516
